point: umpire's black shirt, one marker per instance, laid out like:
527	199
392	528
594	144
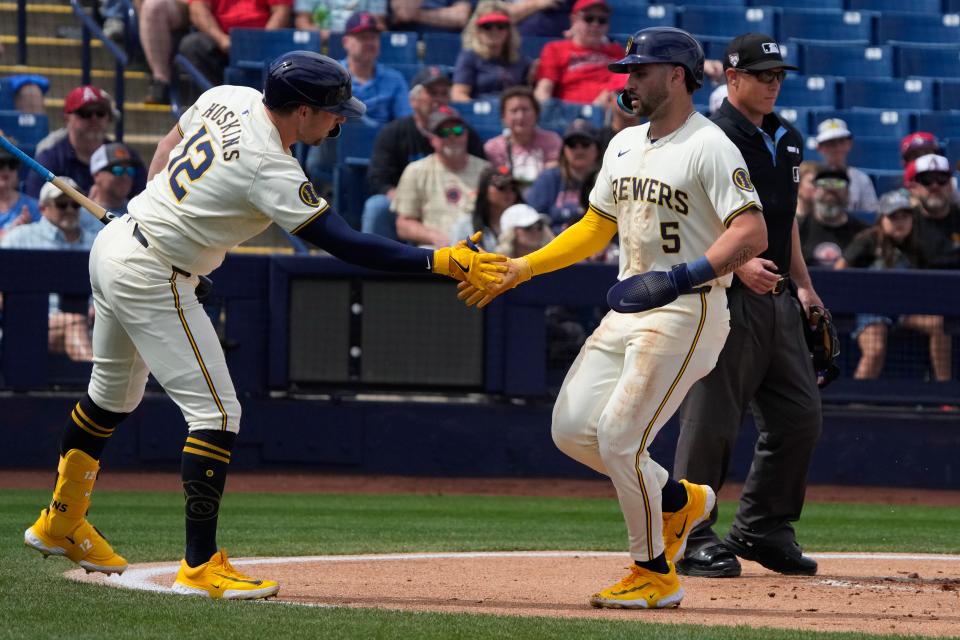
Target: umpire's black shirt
773	161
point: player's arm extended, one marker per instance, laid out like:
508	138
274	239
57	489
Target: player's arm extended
579	241
166	145
331	232
744	238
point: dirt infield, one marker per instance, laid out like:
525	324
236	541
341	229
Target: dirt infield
853	592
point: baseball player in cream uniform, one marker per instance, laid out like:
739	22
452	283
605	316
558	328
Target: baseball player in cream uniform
221	176
677	192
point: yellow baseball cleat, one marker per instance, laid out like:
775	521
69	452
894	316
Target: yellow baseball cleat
217	578
83	544
642	589
677	525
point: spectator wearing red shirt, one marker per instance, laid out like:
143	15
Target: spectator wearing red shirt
208	48
575	70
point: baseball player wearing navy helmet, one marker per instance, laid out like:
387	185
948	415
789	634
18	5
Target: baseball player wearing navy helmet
677	193
219	177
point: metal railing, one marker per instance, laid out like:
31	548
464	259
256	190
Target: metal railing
89	26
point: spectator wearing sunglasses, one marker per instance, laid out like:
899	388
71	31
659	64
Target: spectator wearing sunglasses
113	175
892	243
829	229
436	191
938	223
16	208
59	228
88	115
834	142
575	70
490	60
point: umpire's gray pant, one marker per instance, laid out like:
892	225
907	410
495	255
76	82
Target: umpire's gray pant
764	363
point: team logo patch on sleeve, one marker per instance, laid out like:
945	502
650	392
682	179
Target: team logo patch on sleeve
309	195
742	179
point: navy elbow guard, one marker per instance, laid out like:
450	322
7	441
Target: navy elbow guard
654	289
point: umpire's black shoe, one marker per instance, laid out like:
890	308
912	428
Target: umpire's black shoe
710	561
785	558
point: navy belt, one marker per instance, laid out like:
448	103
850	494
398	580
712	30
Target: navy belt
146	245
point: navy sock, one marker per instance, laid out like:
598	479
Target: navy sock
203	468
89	428
658	564
673	496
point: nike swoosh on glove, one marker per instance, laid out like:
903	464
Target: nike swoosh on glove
481	270
649	290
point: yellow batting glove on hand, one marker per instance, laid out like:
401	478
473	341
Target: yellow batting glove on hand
480	269
517	272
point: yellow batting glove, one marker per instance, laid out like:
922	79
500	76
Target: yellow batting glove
467	265
517	272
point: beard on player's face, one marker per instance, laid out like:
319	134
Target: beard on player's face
647	88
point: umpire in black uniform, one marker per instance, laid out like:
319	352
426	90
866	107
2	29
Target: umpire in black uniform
765	362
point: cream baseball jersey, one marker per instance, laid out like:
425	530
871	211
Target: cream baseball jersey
226	181
673	197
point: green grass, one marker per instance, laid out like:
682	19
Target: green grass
36	602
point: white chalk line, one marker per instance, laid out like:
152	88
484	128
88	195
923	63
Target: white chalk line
139	578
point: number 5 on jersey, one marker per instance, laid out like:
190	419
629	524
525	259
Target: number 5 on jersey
184	163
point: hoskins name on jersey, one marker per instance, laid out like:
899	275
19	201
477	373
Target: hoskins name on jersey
230	130
651	190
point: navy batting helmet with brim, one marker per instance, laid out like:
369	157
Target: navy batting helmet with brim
663	45
312	79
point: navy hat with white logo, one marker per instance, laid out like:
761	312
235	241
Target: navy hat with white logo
754	52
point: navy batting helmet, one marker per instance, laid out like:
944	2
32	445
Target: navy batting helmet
305	77
663	45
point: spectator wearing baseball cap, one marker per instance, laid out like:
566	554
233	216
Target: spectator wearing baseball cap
523	230
113	171
328	16
433	193
892	243
88	115
929	180
490	60
575	69
16	208
557	191
829	229
834	142
919	143
403	141
411	15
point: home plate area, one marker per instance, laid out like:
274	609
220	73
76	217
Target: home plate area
870	593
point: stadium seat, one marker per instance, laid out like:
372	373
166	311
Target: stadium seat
6	95
888	93
875	153
480	113
244	77
531	46
809	91
827	24
948	94
788	4
799	117
871	123
951	6
252	48
850	60
934	61
916	6
556	115
356	140
714	47
885	180
952	150
441	47
944	124
912	27
654	15
26	128
727	21
398	47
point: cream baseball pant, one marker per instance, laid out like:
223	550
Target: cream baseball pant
628	379
148	320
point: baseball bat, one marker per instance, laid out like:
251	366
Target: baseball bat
102	214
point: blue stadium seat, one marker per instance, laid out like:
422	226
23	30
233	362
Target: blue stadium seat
789	4
875	153
943	124
951	6
654	15
827	25
480	113
917	6
727	21
252	48
714	47
885	180
809	91
870	123
913	27
244	77
26	128
398	47
952	150
356	140
350	175
441	47
934	61
556	115
531	46
948	94
335	47
6	95
799	117
847	60
888	93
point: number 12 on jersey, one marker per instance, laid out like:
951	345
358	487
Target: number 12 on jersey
184	163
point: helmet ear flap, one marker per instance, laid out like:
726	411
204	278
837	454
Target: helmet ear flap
622	104
335	132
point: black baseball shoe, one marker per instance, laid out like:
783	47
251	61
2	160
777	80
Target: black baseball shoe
710	561
785	558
